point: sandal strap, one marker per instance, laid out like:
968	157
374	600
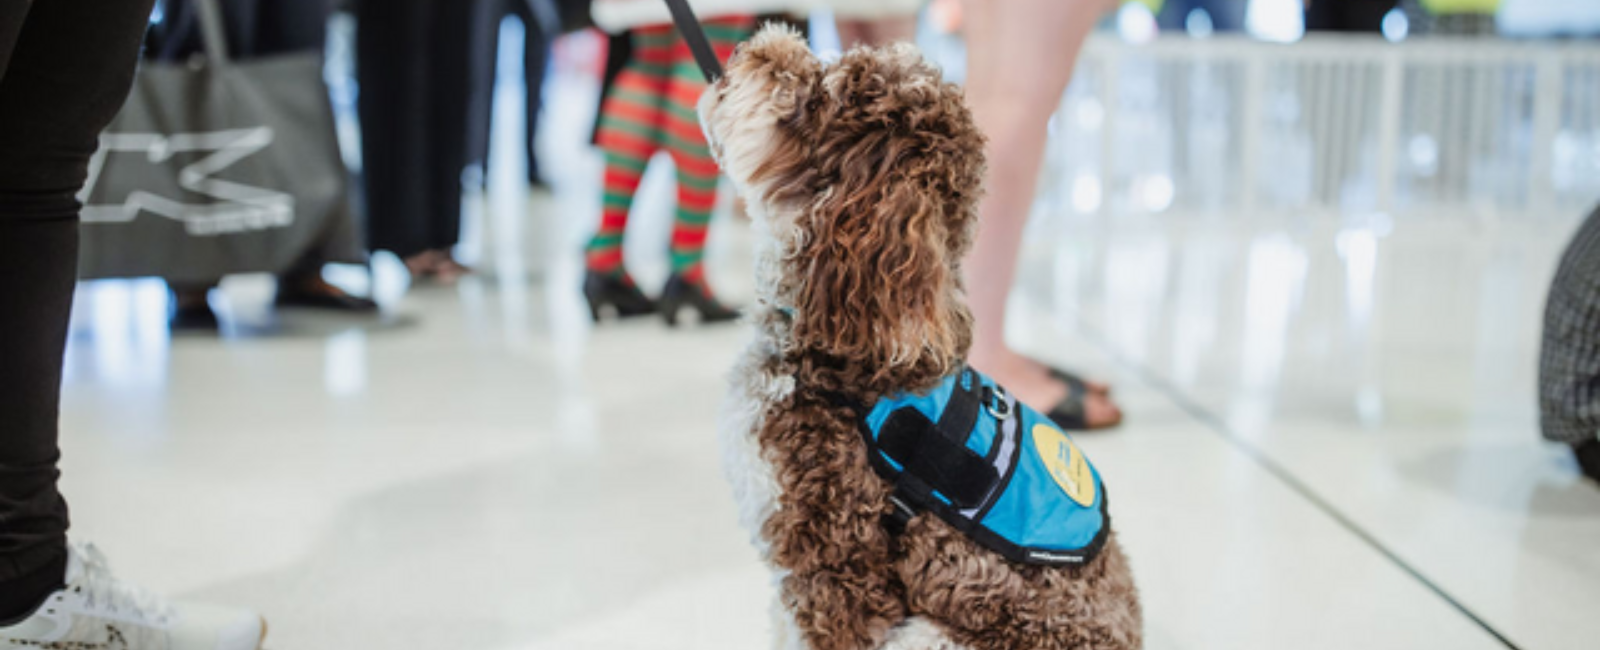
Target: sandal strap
1074	383
1069	413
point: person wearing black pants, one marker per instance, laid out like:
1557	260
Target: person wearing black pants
65	68
540	22
1226	15
414	67
1348	15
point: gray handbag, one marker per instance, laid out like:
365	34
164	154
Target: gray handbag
217	168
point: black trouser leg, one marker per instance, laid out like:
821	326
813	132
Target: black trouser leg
291	26
12	14
392	70
535	61
1348	15
56	94
485	40
450	69
414	66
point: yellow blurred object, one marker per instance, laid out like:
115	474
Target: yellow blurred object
1442	7
1154	5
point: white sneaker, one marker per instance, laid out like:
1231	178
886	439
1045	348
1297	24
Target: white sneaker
95	611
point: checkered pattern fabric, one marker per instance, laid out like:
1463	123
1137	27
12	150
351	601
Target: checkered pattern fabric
1569	364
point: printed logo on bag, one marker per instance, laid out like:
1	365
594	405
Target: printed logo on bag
1066	464
227	207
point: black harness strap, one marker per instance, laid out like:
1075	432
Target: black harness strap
692	32
935	457
960	415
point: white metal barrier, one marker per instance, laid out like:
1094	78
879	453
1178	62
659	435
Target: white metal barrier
1332	124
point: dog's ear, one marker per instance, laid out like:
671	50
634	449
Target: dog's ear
877	279
881	247
896	91
783	74
790	65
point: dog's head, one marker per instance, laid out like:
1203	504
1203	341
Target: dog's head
864	175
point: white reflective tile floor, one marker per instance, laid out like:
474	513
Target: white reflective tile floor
1331	443
1331	440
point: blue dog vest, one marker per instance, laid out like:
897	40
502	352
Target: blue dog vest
991	467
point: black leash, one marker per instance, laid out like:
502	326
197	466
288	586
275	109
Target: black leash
690	27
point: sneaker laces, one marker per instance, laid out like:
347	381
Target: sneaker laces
104	592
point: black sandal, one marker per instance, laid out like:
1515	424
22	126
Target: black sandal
1073	381
1070	413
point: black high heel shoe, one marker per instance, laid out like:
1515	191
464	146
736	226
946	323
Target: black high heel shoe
618	291
1588	455
680	293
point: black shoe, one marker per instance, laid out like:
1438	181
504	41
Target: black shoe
194	319
618	291
1588	454
339	301
191	312
322	296
681	293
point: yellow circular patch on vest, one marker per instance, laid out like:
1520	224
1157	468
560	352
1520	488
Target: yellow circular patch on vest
1067	465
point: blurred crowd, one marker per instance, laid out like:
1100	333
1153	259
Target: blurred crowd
225	159
426	69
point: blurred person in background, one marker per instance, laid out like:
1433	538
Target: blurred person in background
66	66
1569	361
255	28
414	69
875	23
1020	56
1452	17
1348	15
1457	17
542	21
1225	15
650	107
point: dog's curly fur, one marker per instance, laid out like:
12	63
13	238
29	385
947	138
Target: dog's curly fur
863	177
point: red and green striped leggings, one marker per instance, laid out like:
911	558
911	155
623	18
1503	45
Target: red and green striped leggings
651	107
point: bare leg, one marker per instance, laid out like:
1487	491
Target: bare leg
882	31
851	32
1021	54
877	32
895	29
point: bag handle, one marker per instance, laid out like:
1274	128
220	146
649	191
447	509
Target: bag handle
710	65
212	32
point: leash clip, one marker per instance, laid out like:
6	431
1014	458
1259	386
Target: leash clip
998	404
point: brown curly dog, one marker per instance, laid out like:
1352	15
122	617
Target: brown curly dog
863	178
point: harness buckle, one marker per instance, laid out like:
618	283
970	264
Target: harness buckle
903	513
998	404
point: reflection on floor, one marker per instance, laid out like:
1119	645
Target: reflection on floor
1331	441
